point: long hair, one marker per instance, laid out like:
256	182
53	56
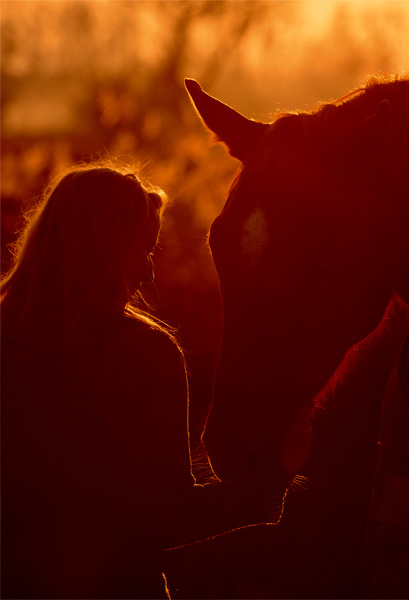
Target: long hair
69	258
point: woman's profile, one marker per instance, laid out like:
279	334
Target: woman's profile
96	463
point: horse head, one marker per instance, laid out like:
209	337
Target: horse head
309	248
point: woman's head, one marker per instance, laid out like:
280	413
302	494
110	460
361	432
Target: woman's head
88	244
106	224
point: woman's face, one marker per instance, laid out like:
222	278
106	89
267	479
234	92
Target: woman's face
138	265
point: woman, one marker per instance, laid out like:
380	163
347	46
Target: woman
97	476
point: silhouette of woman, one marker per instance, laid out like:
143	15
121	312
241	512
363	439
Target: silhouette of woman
96	464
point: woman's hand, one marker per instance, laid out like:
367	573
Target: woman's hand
296	446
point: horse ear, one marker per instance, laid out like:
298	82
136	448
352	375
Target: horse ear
232	128
366	135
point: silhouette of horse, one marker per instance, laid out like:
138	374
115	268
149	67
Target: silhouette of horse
312	253
310	246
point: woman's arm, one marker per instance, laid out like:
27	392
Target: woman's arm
154	407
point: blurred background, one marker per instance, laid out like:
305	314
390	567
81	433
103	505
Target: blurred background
82	79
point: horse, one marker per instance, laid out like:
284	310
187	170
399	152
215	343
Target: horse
312	253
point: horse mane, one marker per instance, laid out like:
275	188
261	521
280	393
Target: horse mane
349	109
374	88
338	114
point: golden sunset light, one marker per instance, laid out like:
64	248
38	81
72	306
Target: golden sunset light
204	299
